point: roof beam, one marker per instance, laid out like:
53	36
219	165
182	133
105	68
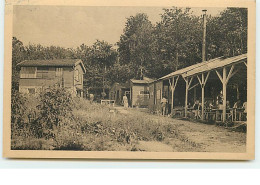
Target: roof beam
219	75
194	86
245	63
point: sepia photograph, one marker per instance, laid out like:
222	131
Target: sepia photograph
131	79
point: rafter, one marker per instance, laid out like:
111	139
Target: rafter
230	72
199	79
219	75
194	86
207	77
190	81
176	82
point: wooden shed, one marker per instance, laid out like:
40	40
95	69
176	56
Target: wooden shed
118	90
139	92
38	74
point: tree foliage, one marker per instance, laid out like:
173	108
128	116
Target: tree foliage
227	33
135	45
157	49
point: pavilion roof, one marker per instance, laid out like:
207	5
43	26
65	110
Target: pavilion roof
206	66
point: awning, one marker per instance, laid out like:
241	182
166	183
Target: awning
219	63
206	66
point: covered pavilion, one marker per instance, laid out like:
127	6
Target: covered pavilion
204	81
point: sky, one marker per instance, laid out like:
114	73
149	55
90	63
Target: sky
71	26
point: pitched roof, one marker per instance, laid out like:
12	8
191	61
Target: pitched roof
121	85
144	81
206	66
52	63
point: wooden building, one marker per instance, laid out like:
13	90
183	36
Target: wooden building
139	92
117	91
38	74
202	81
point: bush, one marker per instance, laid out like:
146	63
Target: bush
55	110
18	109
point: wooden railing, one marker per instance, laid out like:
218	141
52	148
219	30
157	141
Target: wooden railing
108	102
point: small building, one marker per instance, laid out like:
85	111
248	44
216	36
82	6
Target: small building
38	74
139	92
118	90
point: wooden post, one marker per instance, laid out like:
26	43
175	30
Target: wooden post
186	98
203	82
172	89
162	90
173	86
131	97
202	96
224	79
188	83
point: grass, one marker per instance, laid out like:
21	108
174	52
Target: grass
94	127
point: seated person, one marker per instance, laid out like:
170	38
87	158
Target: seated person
228	105
245	107
237	104
245	110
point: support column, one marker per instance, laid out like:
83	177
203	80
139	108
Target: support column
186	99
224	93
203	82
202	97
172	89
188	83
173	86
224	79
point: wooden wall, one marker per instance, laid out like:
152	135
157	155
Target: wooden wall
137	98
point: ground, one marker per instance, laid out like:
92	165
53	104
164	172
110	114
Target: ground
202	137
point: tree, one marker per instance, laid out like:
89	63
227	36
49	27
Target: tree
178	37
98	60
135	48
18	55
227	33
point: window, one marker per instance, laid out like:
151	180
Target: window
144	92
28	72
31	90
58	72
77	75
42	72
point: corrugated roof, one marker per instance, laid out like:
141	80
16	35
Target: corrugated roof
220	62
144	81
52	63
205	66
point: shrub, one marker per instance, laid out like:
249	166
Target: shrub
18	109
55	110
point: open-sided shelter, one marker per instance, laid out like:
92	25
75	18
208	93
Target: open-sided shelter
226	75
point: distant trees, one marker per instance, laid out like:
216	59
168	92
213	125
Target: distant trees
153	50
98	60
227	33
176	41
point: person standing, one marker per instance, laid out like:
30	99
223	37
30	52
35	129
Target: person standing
164	103
91	98
196	109
125	101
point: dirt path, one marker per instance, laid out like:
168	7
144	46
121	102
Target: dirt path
201	137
